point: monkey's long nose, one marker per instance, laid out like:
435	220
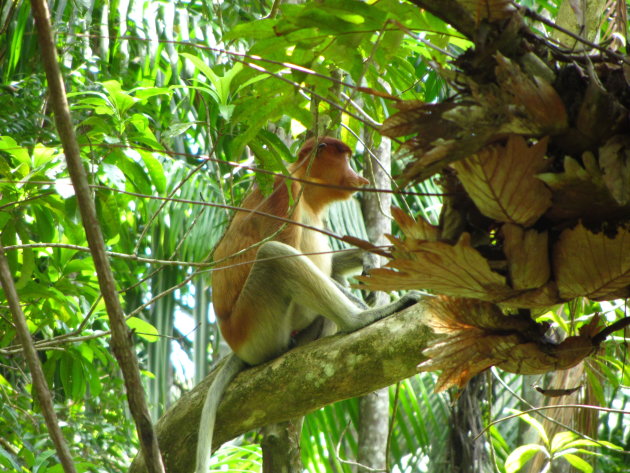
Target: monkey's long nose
360	181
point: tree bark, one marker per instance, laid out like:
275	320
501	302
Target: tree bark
300	381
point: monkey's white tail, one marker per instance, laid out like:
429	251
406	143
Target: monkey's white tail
232	366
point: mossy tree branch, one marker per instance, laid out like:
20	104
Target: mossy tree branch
302	380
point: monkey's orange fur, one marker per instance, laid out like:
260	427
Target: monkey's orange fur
323	163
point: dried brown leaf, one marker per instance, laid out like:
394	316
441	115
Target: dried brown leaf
600	113
592	265
478	335
539	298
543	356
614	158
491	115
534	95
422	118
439	154
502	182
527	255
412	229
457	270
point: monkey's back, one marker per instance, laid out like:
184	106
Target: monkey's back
246	230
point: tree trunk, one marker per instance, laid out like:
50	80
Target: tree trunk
374	408
281	447
466	455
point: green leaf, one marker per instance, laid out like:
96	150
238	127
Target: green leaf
610	445
176	129
122	100
8	460
78	265
65	370
148	374
257	118
274	142
251	81
140	122
42	155
221	84
26	269
578	442
255	30
144	93
578	463
134	173
85	467
561	440
143	329
521	455
78	380
156	171
536	425
86	352
10	146
45	222
41	461
93	379
265	158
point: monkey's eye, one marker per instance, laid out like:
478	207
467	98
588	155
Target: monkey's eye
321	145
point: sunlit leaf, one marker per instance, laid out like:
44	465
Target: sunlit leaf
527	255
143	329
578	462
536	425
457	270
520	456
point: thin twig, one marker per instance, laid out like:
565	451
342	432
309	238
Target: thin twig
114	254
48	344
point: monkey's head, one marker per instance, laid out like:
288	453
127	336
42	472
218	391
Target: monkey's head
327	162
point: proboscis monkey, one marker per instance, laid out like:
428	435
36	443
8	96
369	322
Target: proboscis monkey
262	305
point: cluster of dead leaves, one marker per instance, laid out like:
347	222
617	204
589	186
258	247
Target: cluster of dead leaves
583	264
478	335
535	162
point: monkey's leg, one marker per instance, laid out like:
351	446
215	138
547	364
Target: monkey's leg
280	277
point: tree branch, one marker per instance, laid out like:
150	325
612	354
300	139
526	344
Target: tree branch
302	380
37	373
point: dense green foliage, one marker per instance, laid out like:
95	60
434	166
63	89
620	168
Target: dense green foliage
174	103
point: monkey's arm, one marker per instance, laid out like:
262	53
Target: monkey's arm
346	263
